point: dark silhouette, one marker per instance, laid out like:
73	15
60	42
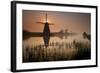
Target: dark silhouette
87	36
46	34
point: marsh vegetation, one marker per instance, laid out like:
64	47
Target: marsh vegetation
57	51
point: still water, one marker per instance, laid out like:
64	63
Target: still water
70	48
33	41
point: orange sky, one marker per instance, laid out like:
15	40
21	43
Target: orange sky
76	22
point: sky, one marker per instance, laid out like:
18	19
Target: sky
75	22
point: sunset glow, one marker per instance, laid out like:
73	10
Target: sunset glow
77	22
56	36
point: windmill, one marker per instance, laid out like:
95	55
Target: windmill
46	31
46	34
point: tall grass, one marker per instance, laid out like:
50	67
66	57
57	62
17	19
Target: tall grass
57	52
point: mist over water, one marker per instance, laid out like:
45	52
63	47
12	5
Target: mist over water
33	41
70	48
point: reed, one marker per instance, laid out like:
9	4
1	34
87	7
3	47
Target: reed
57	51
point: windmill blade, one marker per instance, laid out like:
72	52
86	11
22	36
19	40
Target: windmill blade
50	23
40	22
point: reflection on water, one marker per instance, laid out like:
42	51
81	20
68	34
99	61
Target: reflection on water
72	48
39	40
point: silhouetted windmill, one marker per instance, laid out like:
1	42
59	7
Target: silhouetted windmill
46	31
46	34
